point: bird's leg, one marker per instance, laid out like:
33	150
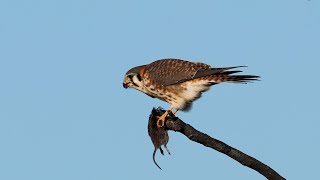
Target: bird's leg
161	120
175	111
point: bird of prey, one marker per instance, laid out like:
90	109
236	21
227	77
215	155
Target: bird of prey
179	82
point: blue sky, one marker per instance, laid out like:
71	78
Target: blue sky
65	115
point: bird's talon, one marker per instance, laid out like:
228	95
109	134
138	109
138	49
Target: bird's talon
170	113
160	123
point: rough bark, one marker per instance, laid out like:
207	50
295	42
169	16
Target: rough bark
175	124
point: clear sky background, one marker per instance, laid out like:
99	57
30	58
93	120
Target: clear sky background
65	115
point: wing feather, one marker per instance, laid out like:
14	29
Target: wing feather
168	72
172	71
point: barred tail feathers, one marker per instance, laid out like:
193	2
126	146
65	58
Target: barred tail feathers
223	75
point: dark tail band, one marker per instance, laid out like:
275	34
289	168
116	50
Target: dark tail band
223	75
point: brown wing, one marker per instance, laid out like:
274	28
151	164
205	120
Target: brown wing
173	71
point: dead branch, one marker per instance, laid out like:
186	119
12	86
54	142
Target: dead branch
175	124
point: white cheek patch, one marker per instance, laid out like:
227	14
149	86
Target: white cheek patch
140	84
136	81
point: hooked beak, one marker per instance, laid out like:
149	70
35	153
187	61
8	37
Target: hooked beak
125	85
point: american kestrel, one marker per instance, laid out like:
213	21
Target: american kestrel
179	82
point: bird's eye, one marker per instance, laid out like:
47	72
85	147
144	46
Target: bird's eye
130	77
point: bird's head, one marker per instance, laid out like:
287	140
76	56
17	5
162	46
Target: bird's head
133	78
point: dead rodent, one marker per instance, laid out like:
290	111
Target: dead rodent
159	136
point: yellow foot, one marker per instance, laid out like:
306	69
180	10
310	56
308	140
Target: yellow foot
161	120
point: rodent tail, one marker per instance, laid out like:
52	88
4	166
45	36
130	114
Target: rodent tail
154	160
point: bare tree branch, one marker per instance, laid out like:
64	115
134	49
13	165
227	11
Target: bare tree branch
175	124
